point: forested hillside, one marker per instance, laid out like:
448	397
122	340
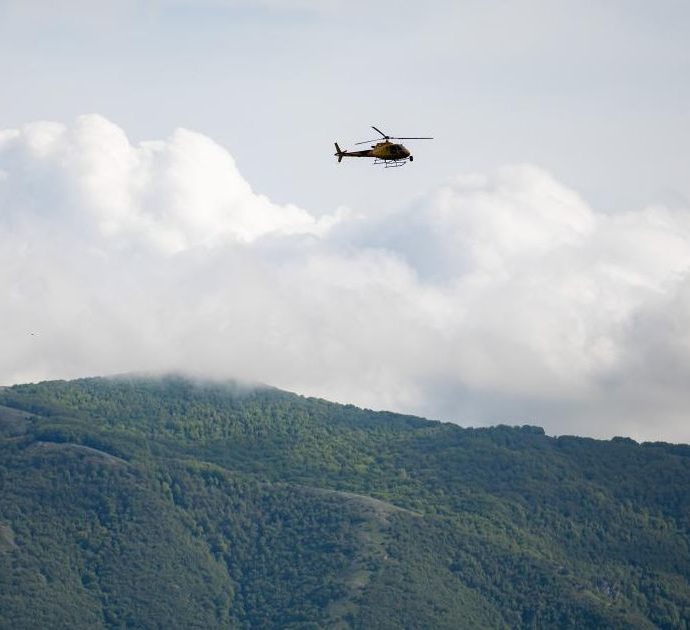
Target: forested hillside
138	502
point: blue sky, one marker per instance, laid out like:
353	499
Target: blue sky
595	92
531	265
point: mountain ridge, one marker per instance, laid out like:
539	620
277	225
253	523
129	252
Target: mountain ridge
298	512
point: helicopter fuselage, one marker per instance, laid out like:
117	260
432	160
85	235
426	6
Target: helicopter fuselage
389	151
382	150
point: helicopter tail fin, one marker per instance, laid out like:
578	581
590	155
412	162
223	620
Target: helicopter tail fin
339	153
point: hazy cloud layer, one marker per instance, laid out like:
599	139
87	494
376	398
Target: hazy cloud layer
498	298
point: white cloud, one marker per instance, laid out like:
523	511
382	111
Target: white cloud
499	298
175	194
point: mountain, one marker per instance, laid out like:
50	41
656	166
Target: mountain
137	502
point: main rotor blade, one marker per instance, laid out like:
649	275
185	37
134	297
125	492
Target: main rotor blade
410	137
381	132
369	141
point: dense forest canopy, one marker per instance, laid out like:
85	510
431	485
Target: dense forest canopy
174	503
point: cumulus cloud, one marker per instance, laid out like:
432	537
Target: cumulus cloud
175	194
498	298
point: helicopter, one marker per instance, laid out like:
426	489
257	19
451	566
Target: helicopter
384	152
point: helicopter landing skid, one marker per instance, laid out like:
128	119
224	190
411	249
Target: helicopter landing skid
390	163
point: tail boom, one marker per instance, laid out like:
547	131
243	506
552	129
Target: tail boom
341	154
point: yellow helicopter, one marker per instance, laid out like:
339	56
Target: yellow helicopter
384	152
